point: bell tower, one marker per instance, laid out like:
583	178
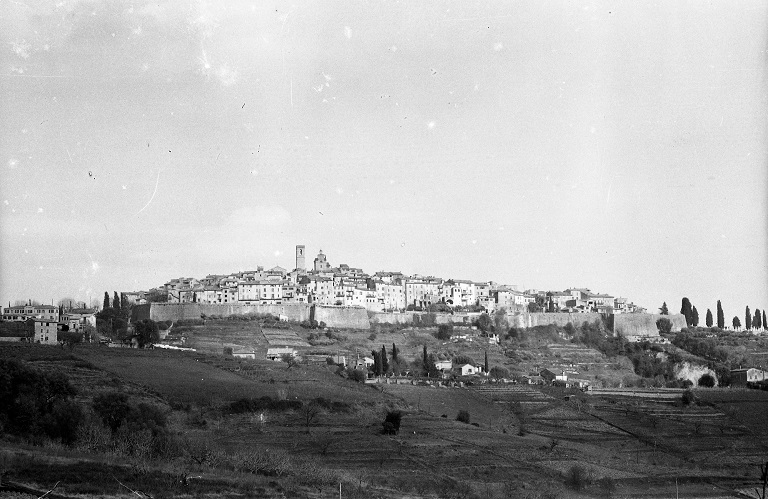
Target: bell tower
300	263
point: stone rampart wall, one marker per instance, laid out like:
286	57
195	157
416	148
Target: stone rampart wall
341	317
644	324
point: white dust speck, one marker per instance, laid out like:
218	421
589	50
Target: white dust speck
137	31
327	77
226	75
40	267
393	48
277	253
24	130
46	47
94	267
501	228
13	163
474	241
402	245
255	173
431	125
339	191
26	251
498	46
391	181
5	202
39	210
348	32
14	69
124	188
21	48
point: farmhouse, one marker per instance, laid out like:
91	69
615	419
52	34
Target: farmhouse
551	376
444	365
466	370
741	377
277	353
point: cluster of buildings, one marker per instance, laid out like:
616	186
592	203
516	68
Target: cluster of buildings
343	285
42	323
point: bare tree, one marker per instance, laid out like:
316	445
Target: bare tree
310	413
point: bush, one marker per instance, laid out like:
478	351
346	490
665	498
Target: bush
444	332
688	397
577	477
391	424
664	325
707	381
261	404
463	417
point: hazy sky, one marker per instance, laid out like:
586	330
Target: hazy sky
616	146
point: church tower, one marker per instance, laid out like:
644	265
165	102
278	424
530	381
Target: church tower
300	263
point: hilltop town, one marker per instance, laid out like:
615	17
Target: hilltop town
342	285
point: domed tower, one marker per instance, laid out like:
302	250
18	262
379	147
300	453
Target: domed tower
321	264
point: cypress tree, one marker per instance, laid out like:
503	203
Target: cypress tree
757	321
765	324
664	310
486	362
685	309
720	316
425	361
747	319
394	353
384	362
709	318
106	301
736	322
694	317
376	362
116	302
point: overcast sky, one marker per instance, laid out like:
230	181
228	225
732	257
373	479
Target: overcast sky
615	146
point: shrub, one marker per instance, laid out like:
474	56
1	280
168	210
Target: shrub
688	397
463	417
261	404
444	331
664	325
391	424
707	381
577	477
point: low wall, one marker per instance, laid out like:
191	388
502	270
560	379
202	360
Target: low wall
390	318
341	317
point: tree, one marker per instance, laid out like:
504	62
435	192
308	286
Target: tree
106	301
695	317
112	408
664	310
500	322
707	381
664	325
444	331
765	323
498	372
69	338
747	319
709	318
686	310
376	362
384	362
116	302
310	413
146	332
394	353
485	366
736	322
425	361
757	322
720	316
484	323
463	417
391	424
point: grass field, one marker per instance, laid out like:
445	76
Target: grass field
641	447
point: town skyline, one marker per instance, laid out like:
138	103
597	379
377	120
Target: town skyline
616	147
